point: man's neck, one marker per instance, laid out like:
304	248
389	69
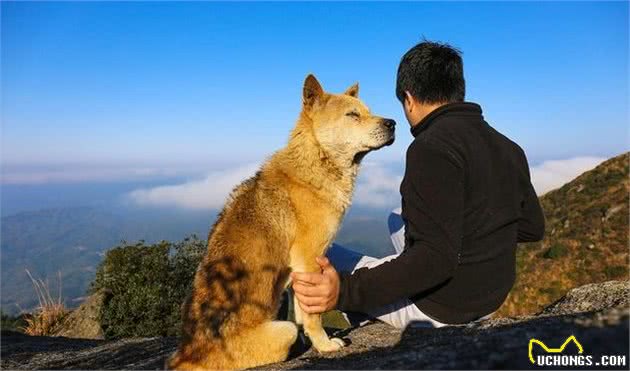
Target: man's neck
423	110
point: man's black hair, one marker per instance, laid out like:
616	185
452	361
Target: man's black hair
432	73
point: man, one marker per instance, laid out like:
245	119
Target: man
467	199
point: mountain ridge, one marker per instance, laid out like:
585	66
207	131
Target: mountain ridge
586	238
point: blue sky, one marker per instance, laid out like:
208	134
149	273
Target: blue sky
208	86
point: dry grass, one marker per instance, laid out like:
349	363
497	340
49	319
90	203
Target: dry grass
44	319
586	239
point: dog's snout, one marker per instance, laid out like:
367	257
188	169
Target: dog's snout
389	123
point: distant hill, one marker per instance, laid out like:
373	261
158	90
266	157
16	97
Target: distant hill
366	234
586	239
72	241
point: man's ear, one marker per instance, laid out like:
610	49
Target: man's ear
312	91
409	102
353	91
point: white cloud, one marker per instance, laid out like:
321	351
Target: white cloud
78	173
73	175
377	186
553	174
208	193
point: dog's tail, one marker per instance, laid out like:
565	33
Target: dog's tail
176	362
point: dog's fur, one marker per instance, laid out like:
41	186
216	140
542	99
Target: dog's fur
277	221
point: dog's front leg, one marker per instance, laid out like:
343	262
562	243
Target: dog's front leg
312	323
297	311
315	331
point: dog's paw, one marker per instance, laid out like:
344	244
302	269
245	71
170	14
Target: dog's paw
330	345
339	341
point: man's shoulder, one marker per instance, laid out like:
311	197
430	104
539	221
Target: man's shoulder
431	149
425	144
510	144
464	140
447	134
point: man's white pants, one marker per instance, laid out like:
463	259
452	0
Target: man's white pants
397	314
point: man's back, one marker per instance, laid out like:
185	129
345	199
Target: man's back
499	205
466	201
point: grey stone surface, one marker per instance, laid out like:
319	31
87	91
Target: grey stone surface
83	322
597	315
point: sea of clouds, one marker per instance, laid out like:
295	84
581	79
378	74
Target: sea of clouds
377	186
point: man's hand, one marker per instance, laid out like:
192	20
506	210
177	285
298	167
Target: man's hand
317	292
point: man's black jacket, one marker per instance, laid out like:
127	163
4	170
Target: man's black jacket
467	199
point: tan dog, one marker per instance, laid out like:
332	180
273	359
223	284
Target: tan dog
277	221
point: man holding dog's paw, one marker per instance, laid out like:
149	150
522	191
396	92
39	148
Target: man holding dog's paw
467	200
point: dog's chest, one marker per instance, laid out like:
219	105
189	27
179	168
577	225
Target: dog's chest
329	227
317	222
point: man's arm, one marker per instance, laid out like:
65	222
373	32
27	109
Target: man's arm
433	194
531	225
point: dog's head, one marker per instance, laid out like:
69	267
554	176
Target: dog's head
342	124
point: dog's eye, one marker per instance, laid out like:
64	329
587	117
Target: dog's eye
353	114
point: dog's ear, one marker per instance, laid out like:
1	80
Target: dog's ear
353	91
312	91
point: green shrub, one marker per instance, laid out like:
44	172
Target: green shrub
553	289
556	251
148	284
12	323
616	271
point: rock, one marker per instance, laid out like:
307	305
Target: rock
591	298
24	352
597	315
612	211
84	322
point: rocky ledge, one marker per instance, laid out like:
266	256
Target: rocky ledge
597	315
